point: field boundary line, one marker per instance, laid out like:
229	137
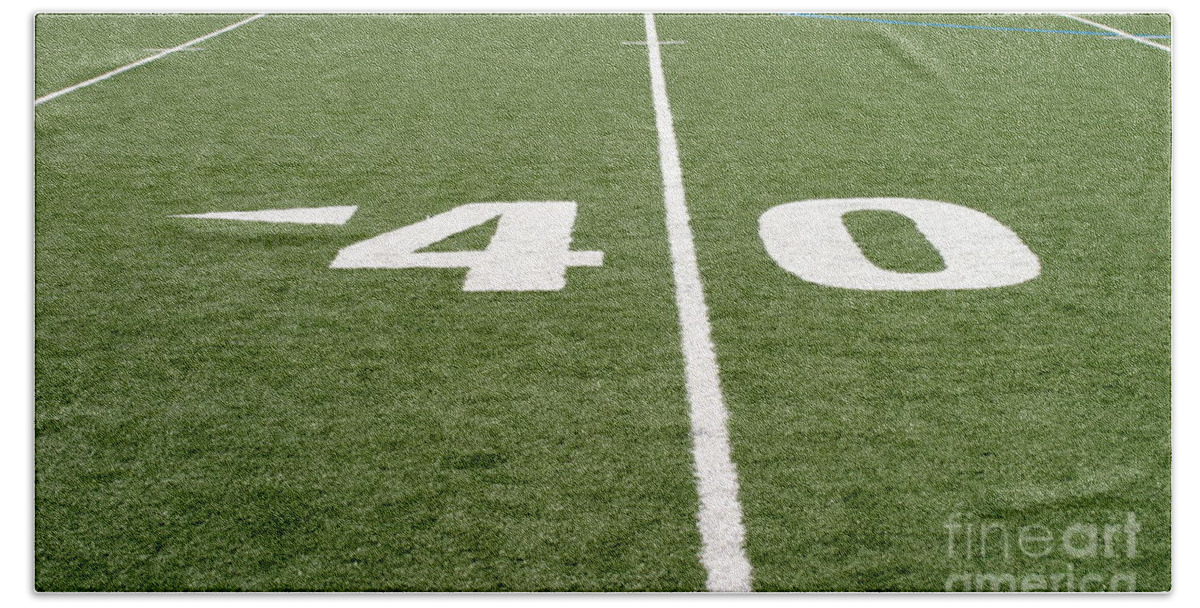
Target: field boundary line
722	536
1118	32
105	76
961	26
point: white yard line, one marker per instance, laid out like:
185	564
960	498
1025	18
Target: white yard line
1118	32
722	535
105	76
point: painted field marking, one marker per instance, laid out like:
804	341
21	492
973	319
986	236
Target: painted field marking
722	535
105	76
959	26
1118	32
336	216
530	250
809	239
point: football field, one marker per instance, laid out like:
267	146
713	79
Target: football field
619	302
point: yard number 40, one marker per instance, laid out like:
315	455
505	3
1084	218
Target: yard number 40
530	250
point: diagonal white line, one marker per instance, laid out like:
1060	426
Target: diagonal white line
722	535
1118	32
105	76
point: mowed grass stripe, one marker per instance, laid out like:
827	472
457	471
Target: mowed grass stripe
217	409
863	423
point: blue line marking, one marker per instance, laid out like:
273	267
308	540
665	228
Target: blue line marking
967	27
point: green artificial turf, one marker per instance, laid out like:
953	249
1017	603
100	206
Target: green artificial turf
72	48
1138	24
892	241
217	409
863	421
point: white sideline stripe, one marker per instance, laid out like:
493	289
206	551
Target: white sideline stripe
1118	32
105	76
722	536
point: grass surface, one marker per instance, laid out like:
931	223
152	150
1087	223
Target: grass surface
1155	25
217	409
863	420
73	48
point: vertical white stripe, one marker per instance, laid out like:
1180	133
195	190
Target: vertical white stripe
1118	32
105	76
722	536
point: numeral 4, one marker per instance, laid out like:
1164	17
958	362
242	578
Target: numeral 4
530	251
